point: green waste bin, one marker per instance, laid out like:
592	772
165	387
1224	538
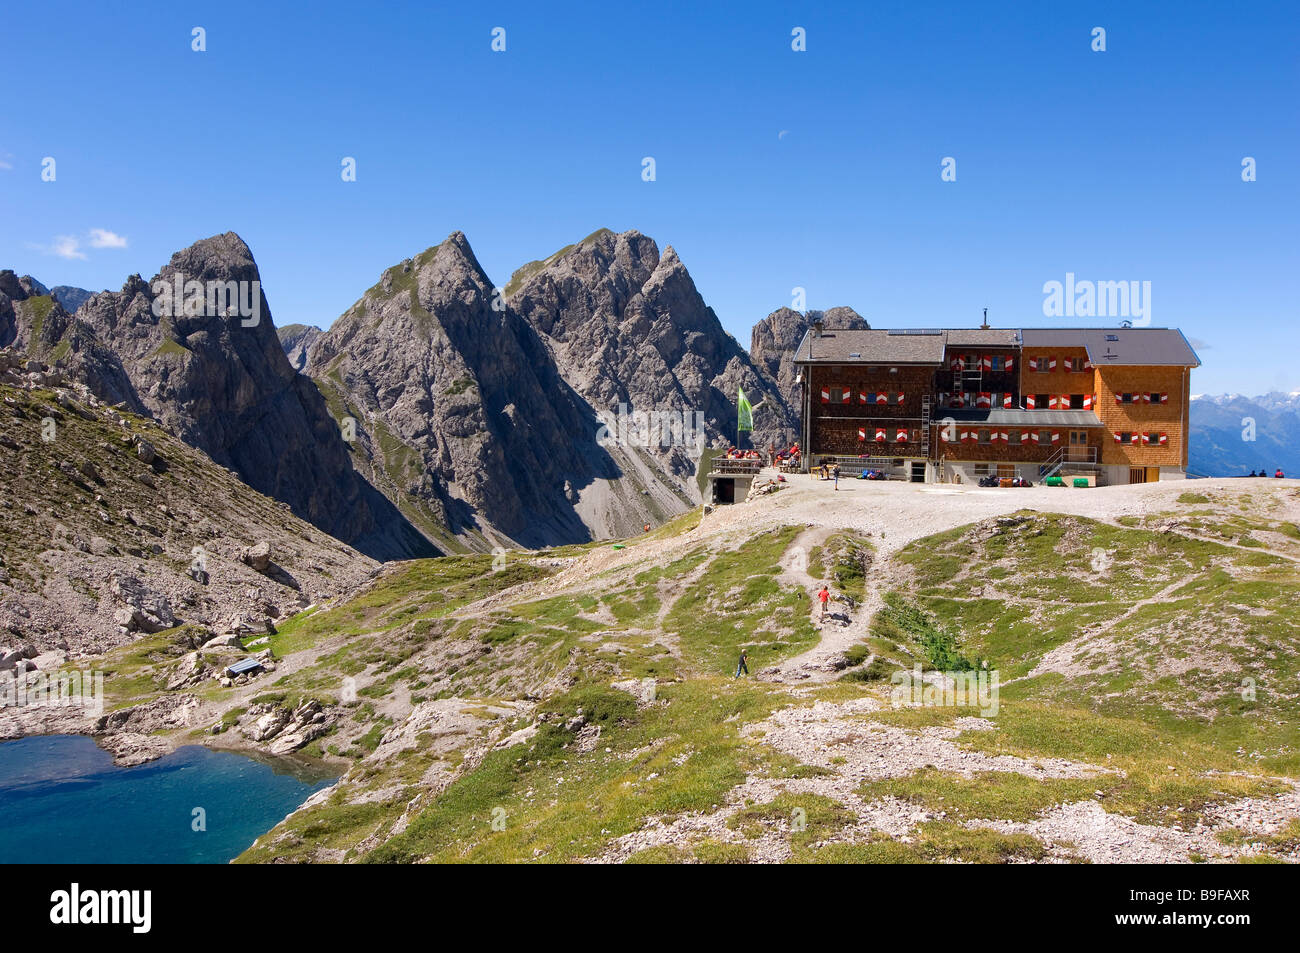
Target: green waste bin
1080	481
1055	481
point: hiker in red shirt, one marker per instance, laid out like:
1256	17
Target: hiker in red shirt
823	596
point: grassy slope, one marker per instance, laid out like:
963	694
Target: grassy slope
1158	701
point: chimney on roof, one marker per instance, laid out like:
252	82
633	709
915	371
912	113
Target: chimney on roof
985	325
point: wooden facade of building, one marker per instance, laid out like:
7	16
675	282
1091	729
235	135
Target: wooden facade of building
1111	404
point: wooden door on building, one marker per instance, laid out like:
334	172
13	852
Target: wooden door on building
1078	447
1137	475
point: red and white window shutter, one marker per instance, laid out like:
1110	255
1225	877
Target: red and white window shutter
1164	439
1029	402
880	435
1056	436
1006	400
985	399
901	436
882	397
862	433
826	395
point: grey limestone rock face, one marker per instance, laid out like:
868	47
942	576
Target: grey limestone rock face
458	405
219	380
627	325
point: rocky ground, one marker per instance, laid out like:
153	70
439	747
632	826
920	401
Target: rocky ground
456	689
110	529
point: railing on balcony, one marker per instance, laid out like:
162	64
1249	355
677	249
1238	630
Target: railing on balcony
736	467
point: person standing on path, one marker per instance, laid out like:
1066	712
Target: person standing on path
741	666
823	596
836	471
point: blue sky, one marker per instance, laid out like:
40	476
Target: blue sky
1115	165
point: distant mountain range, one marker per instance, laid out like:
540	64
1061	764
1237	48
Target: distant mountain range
1234	435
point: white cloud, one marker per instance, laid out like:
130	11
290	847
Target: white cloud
70	246
66	246
103	238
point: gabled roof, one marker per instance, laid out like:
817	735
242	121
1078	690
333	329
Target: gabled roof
870	346
1119	346
984	337
1105	346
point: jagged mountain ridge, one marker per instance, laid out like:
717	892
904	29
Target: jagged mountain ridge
463	417
219	382
626	325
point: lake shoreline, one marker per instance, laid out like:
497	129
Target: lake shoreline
196	804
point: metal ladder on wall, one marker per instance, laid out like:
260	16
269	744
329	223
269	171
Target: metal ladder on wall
925	421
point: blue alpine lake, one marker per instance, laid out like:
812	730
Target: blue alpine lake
63	800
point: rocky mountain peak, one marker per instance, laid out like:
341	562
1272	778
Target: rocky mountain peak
196	349
627	326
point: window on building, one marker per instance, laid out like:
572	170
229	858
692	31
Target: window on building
1076	402
985	437
1040	401
1044	438
982	469
1013	438
839	395
1126	437
1128	398
999	362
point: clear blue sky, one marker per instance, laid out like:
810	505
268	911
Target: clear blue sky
1122	165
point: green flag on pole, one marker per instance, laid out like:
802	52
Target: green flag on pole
744	413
